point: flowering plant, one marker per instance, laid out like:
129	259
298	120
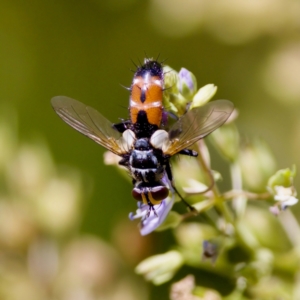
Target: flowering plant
234	244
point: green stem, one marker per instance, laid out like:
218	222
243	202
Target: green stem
249	195
246	240
218	199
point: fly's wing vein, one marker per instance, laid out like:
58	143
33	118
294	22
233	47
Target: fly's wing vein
89	122
198	123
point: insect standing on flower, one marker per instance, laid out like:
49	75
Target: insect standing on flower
144	147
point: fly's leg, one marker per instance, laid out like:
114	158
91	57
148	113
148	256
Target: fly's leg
124	161
170	177
188	152
122	126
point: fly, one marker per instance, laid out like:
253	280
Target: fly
144	148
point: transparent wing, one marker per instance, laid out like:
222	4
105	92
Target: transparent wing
89	122
198	123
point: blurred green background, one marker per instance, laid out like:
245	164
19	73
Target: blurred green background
249	49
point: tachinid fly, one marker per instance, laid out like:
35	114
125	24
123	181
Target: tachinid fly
145	149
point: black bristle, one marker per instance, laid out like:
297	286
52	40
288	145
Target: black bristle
150	66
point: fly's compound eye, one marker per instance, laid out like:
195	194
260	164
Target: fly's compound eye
137	194
158	193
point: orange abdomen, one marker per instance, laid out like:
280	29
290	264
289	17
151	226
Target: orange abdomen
146	95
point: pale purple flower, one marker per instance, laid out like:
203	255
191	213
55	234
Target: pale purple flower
187	83
150	220
285	196
185	77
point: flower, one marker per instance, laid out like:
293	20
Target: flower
171	92
285	196
184	289
187	83
204	95
170	81
281	186
179	90
149	222
160	268
283	177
